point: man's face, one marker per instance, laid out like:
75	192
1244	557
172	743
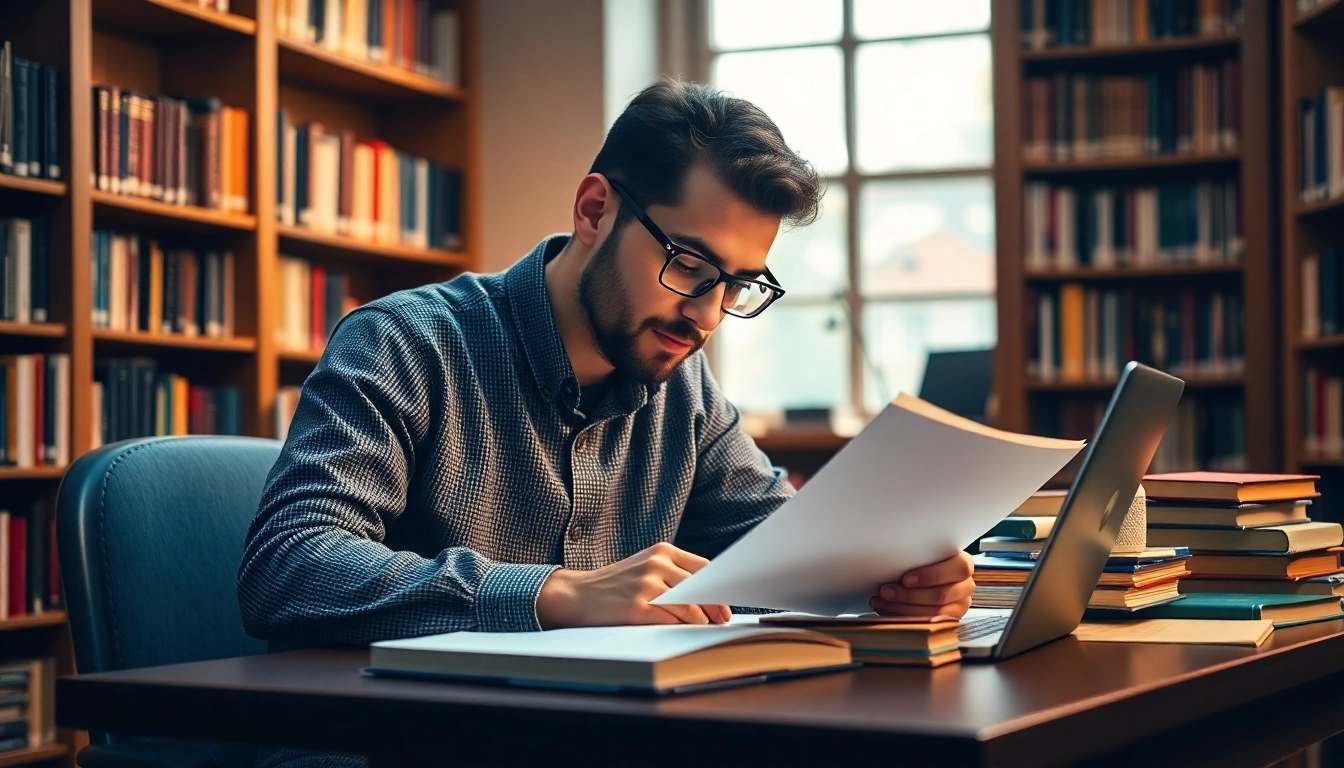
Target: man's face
639	326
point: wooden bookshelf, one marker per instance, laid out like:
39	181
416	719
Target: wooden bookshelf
317	66
10	183
300	241
35	330
44	619
176	47
125	211
34	755
1132	50
1311	59
1138	163
1021	399
306	356
169	20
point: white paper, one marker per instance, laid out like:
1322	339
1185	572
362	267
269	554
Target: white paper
646	643
915	487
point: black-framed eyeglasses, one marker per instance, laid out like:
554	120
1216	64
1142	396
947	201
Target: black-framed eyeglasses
689	274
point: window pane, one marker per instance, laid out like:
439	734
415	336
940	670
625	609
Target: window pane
788	357
927	236
900	335
762	23
905	18
921	105
811	261
802	90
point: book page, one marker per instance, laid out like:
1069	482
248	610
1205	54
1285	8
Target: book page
915	487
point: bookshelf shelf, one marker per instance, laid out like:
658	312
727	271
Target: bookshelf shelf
1322	461
1105	385
11	183
1324	343
44	619
303	242
33	330
33	755
169	19
1132	50
135	211
237	344
1325	14
31	473
308	356
1139	163
1333	205
800	440
1084	274
317	66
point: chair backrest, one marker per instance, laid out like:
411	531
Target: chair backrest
150	533
959	381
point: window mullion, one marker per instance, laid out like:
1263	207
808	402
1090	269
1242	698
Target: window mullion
853	296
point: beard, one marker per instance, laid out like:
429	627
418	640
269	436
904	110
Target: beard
610	319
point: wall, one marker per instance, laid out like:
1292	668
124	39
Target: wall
542	115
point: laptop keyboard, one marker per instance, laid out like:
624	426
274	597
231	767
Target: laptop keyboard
978	628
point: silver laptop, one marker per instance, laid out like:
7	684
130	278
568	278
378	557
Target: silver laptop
1074	555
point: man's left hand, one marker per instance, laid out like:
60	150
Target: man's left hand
942	588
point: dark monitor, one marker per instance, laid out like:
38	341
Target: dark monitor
959	381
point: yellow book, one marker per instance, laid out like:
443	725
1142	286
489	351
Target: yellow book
155	287
1251	632
1071	351
180	394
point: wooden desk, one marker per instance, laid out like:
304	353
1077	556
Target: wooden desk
1065	702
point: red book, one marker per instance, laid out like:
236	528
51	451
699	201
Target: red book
18	566
317	302
196	411
408	34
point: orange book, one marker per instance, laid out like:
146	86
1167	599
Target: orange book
1140	22
391	14
317	308
1071	332
226	167
155	287
1304	565
240	160
1230	487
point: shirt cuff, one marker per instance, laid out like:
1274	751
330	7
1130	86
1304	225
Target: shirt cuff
507	599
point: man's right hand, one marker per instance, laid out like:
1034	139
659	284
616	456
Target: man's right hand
620	593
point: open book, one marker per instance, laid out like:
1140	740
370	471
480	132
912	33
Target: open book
642	659
915	487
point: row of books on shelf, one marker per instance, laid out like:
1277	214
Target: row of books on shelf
30	117
1086	334
1104	227
1208	431
1322	413
140	286
1180	110
27	703
286	402
1322	294
35	419
135	398
1322	158
1066	23
409	34
29	577
1225	546
24	274
313	299
333	183
178	151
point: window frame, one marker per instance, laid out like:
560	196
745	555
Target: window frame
852	180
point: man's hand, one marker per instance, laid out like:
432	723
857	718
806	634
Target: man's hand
942	588
620	593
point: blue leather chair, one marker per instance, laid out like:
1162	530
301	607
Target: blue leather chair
150	533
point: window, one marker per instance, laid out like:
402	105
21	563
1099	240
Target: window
891	100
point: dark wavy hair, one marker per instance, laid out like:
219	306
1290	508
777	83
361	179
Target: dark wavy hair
672	125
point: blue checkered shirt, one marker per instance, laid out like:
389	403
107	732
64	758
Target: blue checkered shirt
438	469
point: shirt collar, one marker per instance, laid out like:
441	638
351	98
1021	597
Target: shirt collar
534	325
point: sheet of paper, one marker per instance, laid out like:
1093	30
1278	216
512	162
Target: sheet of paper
915	487
1250	632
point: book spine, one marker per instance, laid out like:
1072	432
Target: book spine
19	115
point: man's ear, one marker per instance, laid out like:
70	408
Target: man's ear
593	200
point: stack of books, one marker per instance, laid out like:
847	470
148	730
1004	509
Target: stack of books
27	704
30	116
24	265
140	286
313	299
1321	164
408	34
30	581
134	398
35	410
1065	23
1129	582
909	641
1249	533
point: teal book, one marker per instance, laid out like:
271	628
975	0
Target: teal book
1031	528
1283	610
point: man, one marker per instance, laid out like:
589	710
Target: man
546	447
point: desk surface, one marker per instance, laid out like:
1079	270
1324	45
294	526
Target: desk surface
1060	703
